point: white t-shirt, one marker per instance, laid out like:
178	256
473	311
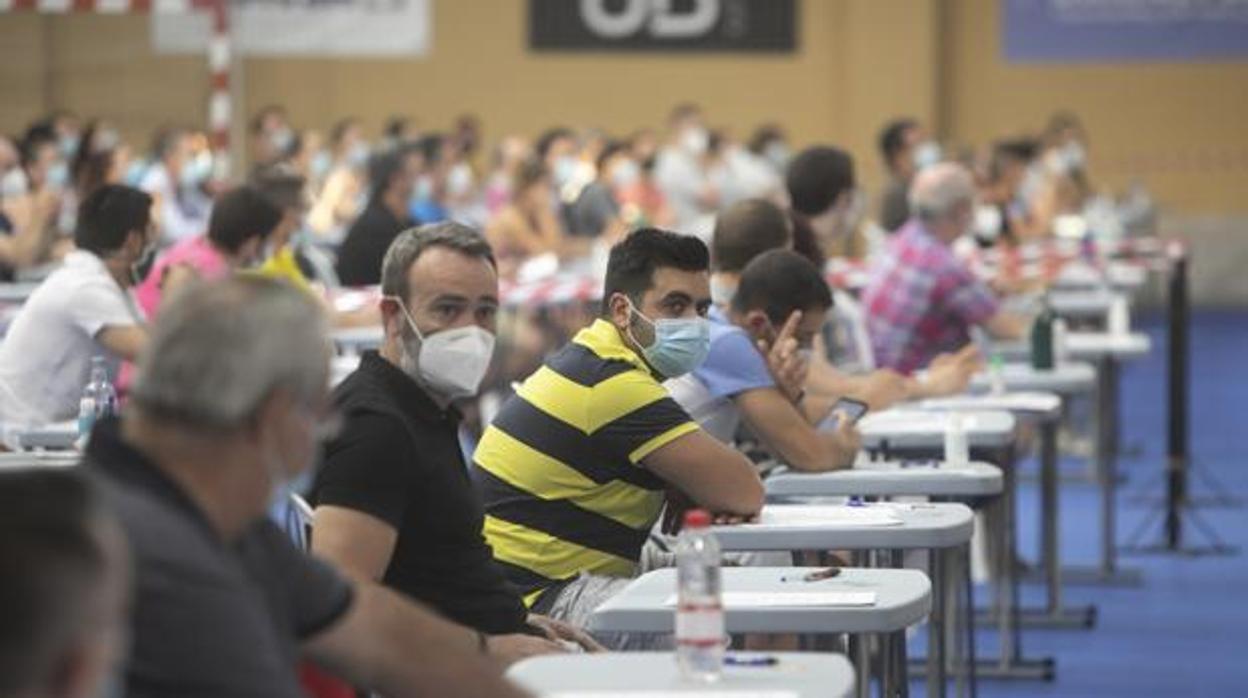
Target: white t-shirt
45	359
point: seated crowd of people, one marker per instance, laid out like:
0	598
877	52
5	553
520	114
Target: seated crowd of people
448	539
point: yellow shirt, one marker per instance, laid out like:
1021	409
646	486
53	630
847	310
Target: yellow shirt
560	467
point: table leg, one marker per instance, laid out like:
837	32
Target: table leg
1107	572
1010	663
860	648
970	667
936	627
1054	614
901	663
1008	579
898	662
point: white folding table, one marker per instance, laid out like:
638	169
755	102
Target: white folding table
902	598
654	675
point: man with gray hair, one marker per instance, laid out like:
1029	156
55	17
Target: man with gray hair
394	502
226	410
921	300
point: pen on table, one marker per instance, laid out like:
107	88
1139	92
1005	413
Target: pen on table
815	576
751	661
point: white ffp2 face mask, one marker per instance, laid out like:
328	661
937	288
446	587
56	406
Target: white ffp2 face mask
452	362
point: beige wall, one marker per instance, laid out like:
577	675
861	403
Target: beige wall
1181	128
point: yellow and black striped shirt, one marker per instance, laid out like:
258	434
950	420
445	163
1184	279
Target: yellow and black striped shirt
560	466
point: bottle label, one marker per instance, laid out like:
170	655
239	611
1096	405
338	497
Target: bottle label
700	625
86	416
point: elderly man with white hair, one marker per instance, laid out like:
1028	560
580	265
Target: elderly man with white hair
230	400
922	300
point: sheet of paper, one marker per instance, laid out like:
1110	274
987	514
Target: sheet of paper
792	599
708	693
912	421
828	515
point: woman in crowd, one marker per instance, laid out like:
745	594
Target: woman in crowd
342	196
27	219
527	226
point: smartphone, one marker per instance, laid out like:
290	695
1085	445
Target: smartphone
854	409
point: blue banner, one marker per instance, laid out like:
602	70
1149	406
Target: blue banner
1043	31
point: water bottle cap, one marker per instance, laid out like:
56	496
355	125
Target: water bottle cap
697	518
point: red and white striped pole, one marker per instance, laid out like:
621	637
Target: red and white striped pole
219	107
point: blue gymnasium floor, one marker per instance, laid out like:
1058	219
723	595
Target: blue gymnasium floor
1184	632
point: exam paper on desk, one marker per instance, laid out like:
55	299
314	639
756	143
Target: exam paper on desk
714	693
791	599
828	515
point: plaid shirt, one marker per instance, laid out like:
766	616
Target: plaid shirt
922	301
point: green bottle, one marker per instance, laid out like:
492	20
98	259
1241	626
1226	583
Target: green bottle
1042	338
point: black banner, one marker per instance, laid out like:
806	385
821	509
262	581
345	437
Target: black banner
757	26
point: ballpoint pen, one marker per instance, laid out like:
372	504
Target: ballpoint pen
817	575
751	661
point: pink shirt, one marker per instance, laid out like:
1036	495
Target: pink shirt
194	252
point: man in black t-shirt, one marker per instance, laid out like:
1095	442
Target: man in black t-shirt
224	414
394	501
392	177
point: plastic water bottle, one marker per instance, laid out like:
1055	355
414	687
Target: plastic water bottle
699	606
1059	341
996	375
1118	321
957	450
99	398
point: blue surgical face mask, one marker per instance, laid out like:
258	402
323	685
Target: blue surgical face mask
320	165
357	156
68	145
927	153
13	183
680	344
625	174
565	170
58	175
281	139
197	170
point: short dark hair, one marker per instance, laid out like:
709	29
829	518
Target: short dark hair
683	111
165	139
633	261
263	113
747	229
241	214
610	150
54	562
280	184
763	136
385	165
544	142
93	158
108	215
817	176
35	139
893	138
412	243
1021	150
395	126
779	282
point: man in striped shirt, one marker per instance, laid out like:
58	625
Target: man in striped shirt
574	468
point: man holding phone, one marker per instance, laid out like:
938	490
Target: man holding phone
756	368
